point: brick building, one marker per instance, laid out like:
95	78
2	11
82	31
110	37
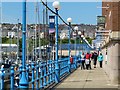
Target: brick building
111	47
112	14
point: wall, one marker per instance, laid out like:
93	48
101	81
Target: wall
111	64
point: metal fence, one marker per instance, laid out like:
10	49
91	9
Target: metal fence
39	75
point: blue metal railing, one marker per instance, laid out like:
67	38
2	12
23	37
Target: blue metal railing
39	75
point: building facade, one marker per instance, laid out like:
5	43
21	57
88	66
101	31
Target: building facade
111	46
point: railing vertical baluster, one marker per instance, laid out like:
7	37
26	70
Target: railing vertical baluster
75	62
64	65
37	76
41	75
33	76
50	68
20	72
53	67
45	66
60	68
53	71
27	72
49	72
12	78
2	79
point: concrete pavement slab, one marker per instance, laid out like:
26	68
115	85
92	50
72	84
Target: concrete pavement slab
95	78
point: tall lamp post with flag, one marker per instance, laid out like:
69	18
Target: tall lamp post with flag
23	80
56	5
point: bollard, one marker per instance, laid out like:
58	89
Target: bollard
12	78
33	75
2	79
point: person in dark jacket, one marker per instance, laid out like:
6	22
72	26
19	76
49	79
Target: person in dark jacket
92	58
95	59
83	61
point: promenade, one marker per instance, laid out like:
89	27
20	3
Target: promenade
95	78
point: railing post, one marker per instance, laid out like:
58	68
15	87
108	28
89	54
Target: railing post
12	78
23	83
41	75
50	68
20	70
69	64
27	72
44	76
37	76
75	62
57	71
53	71
2	79
33	76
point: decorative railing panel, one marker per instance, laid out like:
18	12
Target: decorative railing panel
39	75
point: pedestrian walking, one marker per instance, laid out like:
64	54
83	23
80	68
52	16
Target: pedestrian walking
92	58
100	59
71	59
87	61
83	61
95	59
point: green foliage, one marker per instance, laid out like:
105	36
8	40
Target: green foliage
43	42
6	40
72	41
89	40
65	41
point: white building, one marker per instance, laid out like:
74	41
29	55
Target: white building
101	36
64	34
7	48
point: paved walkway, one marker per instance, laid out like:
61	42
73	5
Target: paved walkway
95	78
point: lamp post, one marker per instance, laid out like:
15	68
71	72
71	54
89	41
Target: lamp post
69	20
0	45
83	47
79	34
10	42
76	30
56	5
23	80
0	34
18	43
76	33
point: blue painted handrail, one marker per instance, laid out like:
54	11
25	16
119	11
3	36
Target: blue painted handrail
39	75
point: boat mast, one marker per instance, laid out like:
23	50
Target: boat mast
0	33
